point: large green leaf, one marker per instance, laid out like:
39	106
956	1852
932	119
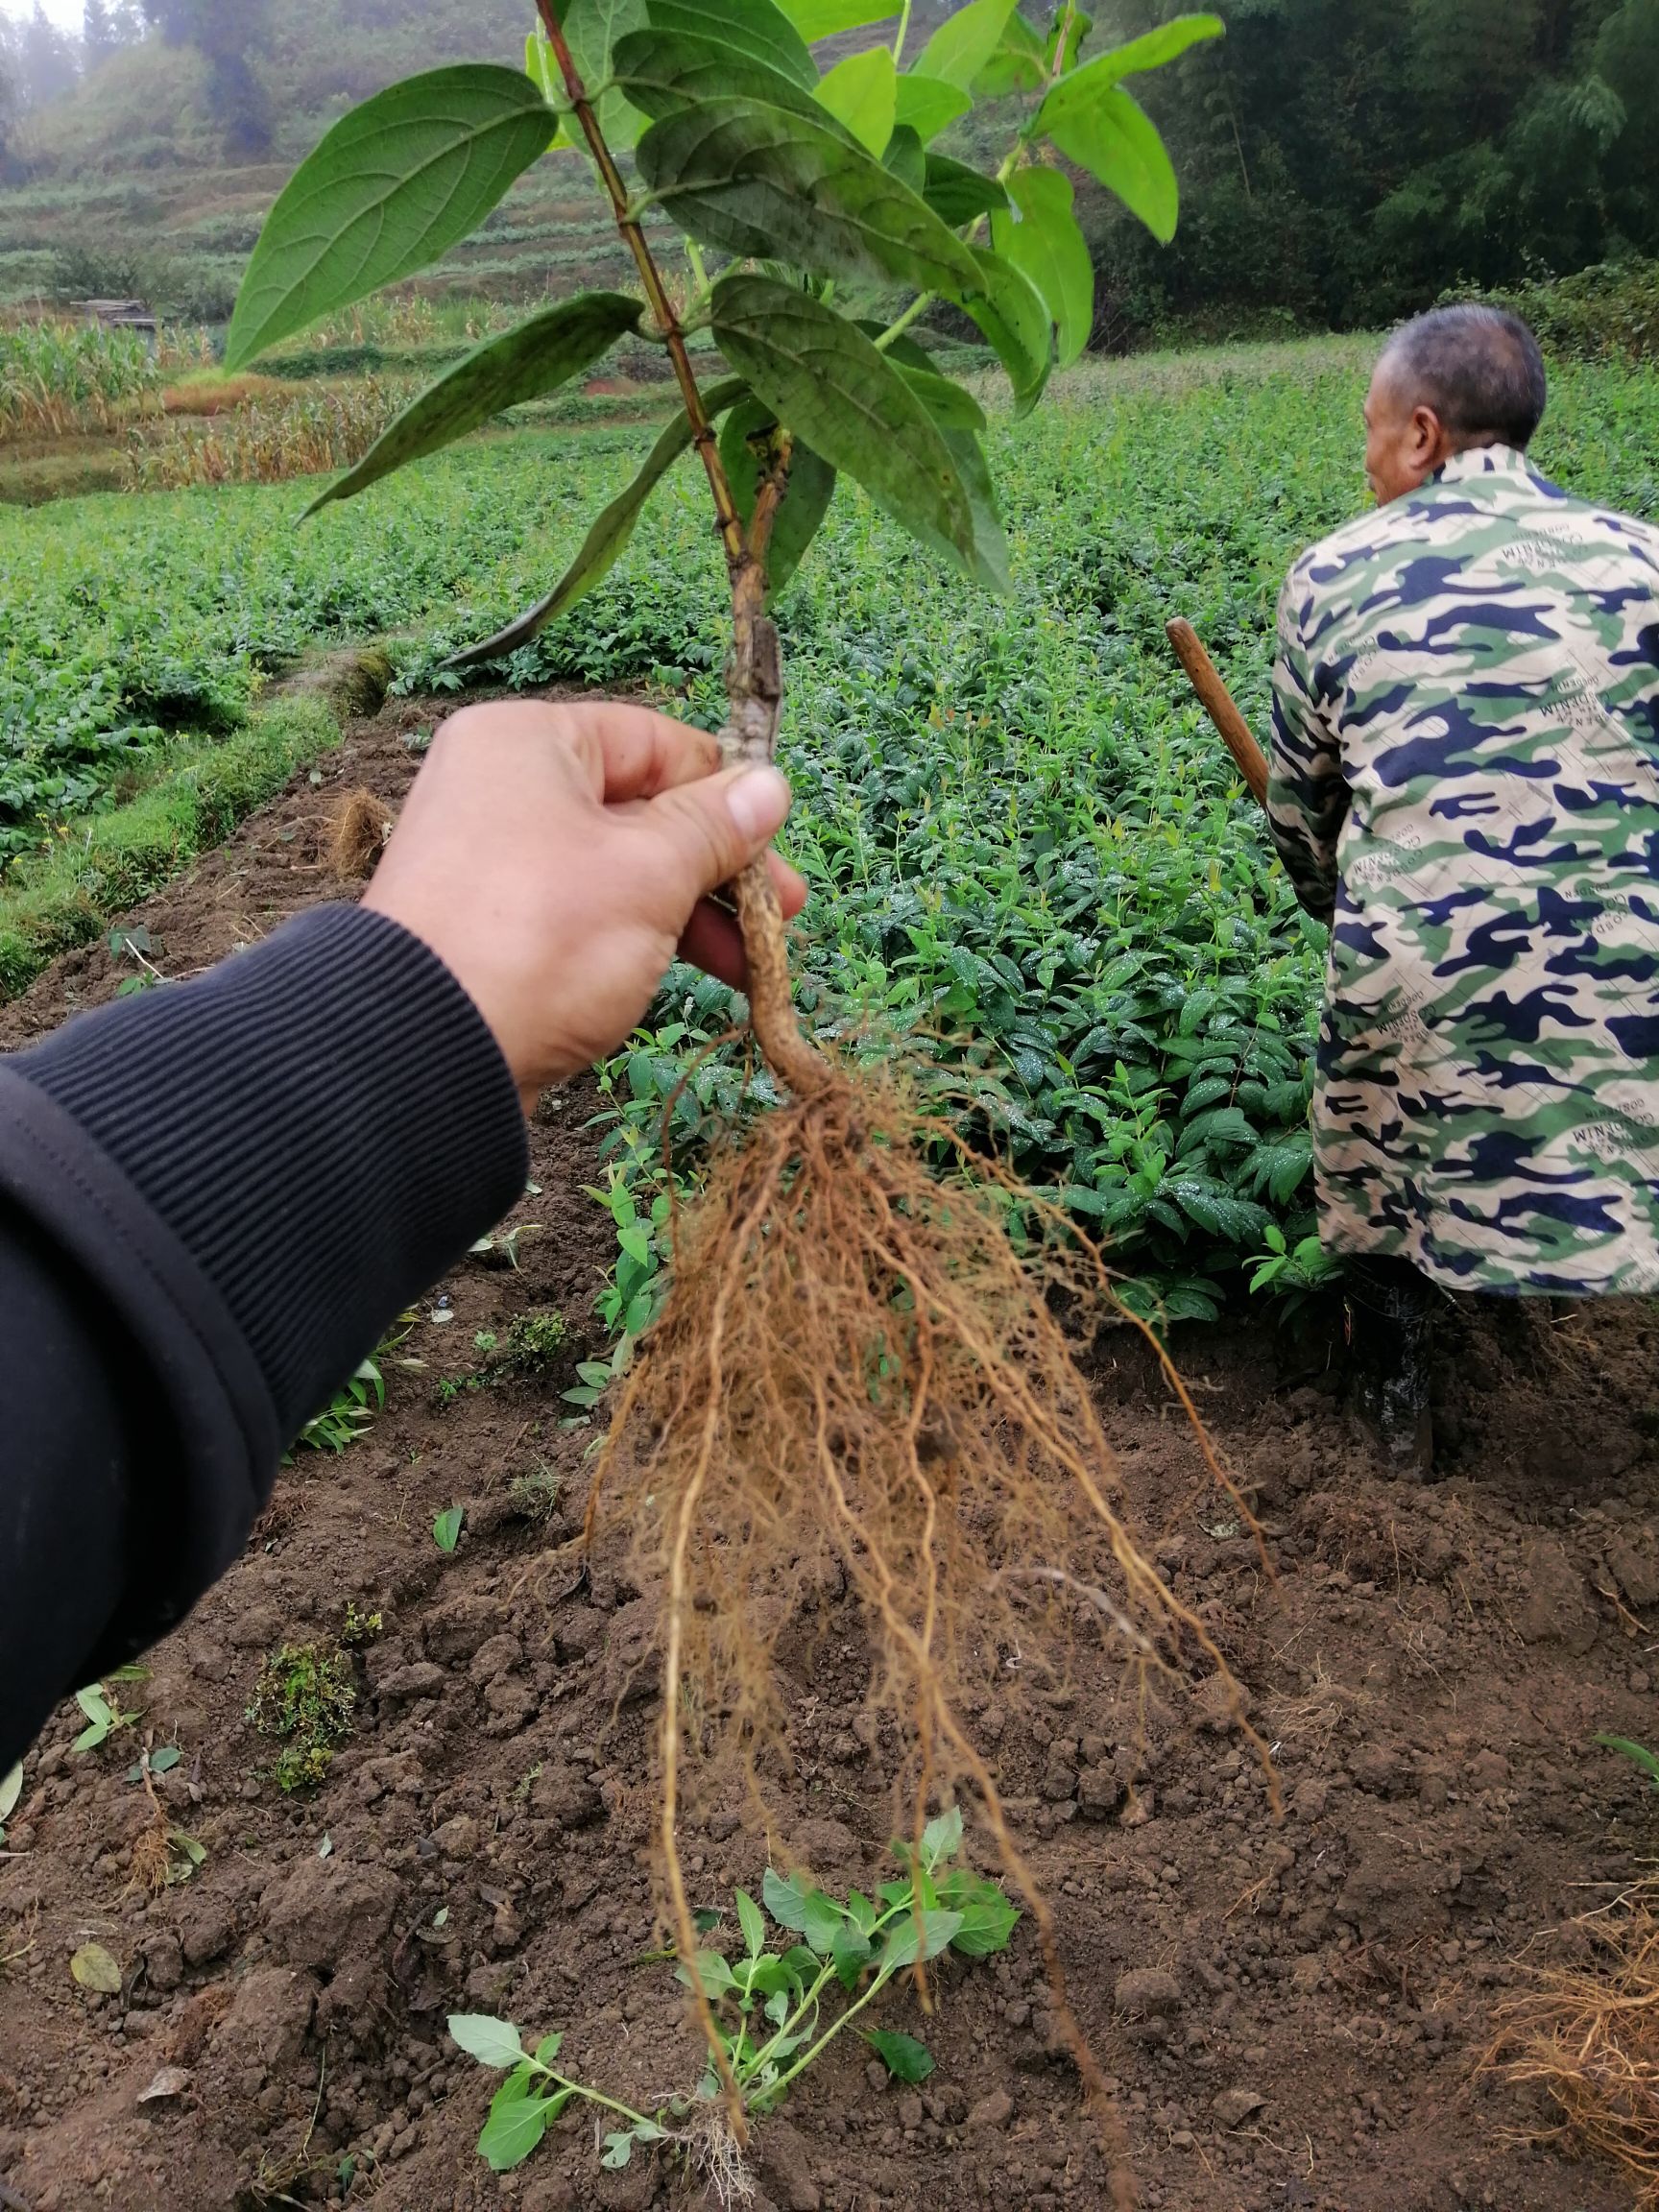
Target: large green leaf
828	382
960	419
664	71
806	502
1047	243
542	67
592	28
1012	313
905	158
537	357
1020	64
605	542
1118	143
862	92
754	29
959	195
392	186
763	181
927	104
1153	50
964	44
817	20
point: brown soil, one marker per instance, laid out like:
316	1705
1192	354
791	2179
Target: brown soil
1290	2013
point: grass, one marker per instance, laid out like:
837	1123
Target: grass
63	897
1026	846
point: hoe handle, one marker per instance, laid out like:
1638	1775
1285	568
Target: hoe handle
1218	702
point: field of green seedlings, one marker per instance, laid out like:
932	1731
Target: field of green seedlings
1025	843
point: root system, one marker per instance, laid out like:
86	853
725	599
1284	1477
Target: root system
1587	2036
361	828
860	1385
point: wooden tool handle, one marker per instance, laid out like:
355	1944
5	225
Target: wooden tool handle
1218	702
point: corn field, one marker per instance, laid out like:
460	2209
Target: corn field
302	434
57	378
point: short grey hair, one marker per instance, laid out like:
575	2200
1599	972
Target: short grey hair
1479	368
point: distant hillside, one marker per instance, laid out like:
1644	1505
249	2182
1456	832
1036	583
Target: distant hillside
125	186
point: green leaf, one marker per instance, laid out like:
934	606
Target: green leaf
713	1972
607	539
592	28
1637	1753
515	2126
1047	244
905	157
862	92
823	1919
619	2149
759	180
482	2036
1153	50
850	1952
988	1919
942	1838
392	186
939	1930
1020	64
1118	144
964	44
753	1922
817	20
1012	313
903	2058
446	1528
542	67
548	2049
806	503
828	382
754	29
861	1912
960	419
11	1790
959	195
786	1899
536	358
928	105
665	71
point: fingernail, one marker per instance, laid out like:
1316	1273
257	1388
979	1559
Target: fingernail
759	802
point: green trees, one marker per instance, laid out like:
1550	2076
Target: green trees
1349	161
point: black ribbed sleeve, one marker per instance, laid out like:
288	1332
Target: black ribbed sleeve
213	1198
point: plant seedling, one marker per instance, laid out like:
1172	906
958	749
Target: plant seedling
1638	1754
446	1528
305	1696
11	1791
777	2007
104	1716
852	1338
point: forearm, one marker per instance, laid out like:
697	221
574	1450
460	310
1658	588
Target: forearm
215	1197
1307	797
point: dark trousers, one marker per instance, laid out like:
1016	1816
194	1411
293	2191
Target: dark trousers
1392	1310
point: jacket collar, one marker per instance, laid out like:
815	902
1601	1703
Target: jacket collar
1483	461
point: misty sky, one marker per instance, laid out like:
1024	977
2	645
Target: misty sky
64	11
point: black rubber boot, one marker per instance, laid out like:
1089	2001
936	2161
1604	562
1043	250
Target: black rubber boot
1391	1313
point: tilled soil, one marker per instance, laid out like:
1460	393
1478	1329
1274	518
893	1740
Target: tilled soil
1291	2011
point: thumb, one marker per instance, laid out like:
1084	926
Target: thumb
717	825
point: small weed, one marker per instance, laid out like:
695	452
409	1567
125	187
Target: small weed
104	1716
351	1412
778	2009
359	1627
135	945
533	1496
1638	1754
11	1789
305	1696
446	1528
1295	1273
503	1248
533	1341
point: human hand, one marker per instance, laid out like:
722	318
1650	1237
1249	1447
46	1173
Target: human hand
556	858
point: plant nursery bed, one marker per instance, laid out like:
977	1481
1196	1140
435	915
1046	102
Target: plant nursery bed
1291	2011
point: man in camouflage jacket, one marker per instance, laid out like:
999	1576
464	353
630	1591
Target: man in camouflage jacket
1466	786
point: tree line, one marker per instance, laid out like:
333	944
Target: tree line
1343	163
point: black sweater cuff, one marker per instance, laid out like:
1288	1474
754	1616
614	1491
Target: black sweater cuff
325	1122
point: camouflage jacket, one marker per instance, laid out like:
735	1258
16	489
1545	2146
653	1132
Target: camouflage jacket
1466	786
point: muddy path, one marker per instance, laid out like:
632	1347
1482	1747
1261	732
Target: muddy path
1290	2012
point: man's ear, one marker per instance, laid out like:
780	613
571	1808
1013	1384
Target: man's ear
1431	445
